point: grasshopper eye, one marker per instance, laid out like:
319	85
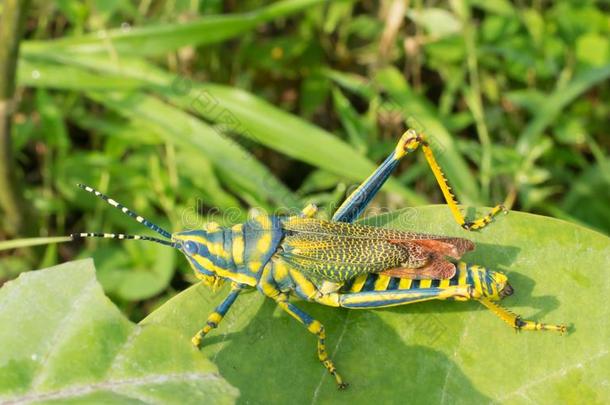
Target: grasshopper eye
190	247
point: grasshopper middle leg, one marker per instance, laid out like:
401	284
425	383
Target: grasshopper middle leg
317	329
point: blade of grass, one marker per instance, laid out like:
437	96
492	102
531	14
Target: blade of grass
556	102
422	116
21	243
246	115
181	128
162	38
174	125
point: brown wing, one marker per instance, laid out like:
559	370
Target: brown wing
436	269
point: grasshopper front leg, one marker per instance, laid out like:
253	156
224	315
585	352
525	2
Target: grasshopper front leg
314	326
215	317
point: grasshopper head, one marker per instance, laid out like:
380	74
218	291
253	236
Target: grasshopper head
203	249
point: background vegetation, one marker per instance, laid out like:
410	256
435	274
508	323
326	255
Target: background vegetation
184	110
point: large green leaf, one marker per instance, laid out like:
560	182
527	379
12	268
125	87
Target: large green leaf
436	352
62	340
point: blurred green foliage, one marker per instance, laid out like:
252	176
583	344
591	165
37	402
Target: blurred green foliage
189	111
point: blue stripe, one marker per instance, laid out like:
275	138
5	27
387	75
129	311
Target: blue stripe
361	198
369	284
393	284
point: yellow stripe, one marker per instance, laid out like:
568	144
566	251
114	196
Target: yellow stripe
476	279
444	283
387	296
382	283
268	289
462	269
405	284
254	265
358	283
238	245
280	270
233	276
306	286
211	227
425	283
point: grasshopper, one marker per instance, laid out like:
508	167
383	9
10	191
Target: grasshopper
338	263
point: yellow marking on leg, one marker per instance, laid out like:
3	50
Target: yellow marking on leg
280	270
212	322
444	283
305	285
316	328
309	211
450	198
425	283
515	320
358	283
382	283
484	221
267	288
408	142
405	283
442	183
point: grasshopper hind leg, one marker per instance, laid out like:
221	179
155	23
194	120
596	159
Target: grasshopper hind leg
519	323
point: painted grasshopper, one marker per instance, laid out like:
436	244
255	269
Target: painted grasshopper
338	263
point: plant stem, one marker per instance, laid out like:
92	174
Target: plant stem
475	103
12	17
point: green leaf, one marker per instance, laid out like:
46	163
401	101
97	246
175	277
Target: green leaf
62	340
162	38
435	352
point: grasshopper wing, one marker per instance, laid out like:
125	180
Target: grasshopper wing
337	251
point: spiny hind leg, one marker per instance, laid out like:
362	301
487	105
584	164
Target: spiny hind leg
317	329
358	200
215	317
517	322
448	195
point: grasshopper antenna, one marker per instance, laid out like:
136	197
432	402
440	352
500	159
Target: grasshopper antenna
121	236
127	211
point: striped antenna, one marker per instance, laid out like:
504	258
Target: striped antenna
121	236
127	211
